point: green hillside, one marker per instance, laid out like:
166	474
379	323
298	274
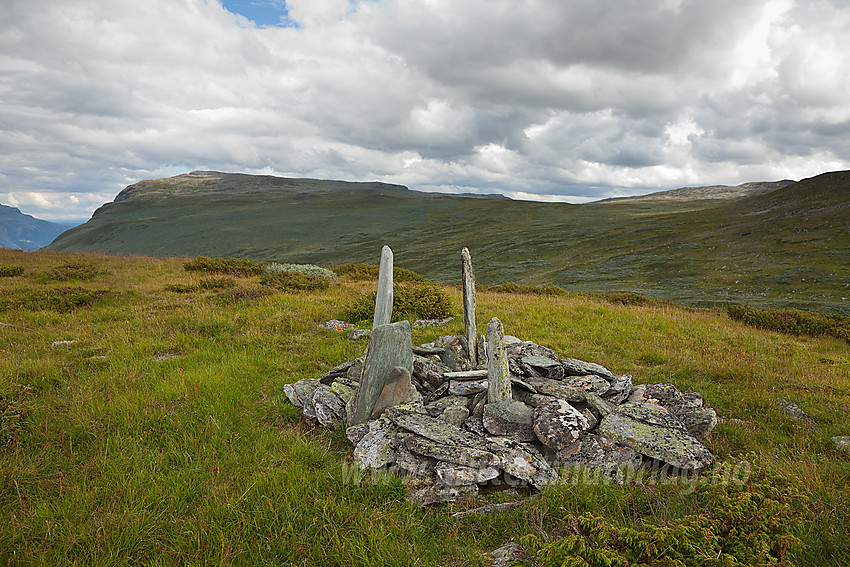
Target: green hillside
787	247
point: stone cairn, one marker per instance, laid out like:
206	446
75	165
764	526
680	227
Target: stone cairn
460	413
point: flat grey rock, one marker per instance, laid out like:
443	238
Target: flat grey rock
440	493
439	431
599	454
655	432
459	475
465	456
389	346
509	418
375	449
575	367
523	462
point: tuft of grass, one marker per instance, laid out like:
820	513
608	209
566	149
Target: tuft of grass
629	298
62	299
792	321
543	289
217	283
230	266
72	271
10	271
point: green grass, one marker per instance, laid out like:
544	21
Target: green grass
161	435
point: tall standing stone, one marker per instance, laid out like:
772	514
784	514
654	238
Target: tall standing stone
384	298
498	373
470	329
389	346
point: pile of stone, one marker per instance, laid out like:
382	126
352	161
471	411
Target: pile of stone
463	412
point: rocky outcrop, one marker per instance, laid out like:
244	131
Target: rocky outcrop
561	414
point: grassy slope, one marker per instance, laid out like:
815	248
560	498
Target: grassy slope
693	251
197	458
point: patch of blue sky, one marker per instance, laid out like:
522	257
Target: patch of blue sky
273	13
264	13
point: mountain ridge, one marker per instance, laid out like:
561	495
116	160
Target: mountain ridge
20	231
788	246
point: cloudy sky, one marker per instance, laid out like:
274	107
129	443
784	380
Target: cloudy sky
568	100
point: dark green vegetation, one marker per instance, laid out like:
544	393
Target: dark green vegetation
789	247
148	427
24	232
793	321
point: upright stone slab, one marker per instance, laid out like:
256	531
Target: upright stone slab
498	373
469	325
384	298
389	346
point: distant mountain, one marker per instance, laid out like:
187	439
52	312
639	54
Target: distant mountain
711	192
785	246
25	232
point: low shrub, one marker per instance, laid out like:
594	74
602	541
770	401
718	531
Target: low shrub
64	299
294	281
230	266
792	321
308	269
426	301
511	287
79	271
7	271
243	295
628	298
360	272
217	283
736	526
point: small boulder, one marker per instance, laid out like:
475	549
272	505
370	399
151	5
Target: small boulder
557	424
510	418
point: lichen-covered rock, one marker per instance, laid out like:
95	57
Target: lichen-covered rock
698	420
523	462
300	391
557	424
599	454
439	493
655	432
588	382
459	475
618	389
375	449
416	465
439	431
330	407
509	418
466	456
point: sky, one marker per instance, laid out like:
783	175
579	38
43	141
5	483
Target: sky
550	100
